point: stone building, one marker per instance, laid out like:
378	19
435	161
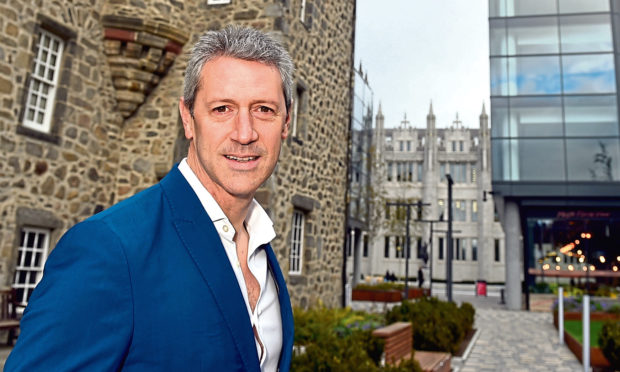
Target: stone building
89	92
411	165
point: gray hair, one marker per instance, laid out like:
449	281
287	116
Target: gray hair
237	42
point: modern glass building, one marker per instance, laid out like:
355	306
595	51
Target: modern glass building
359	170
555	139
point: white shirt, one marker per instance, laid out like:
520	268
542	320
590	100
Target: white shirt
266	316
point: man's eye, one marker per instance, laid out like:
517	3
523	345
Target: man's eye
265	109
220	109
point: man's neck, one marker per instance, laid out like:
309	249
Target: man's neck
234	207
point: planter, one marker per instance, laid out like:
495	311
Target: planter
597	359
377	296
387	295
574	315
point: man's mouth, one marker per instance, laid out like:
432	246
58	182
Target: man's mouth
242	159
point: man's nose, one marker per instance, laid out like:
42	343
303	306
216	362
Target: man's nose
244	132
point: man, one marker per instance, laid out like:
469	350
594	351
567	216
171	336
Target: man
181	276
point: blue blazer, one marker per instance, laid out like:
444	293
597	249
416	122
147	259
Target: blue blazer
144	286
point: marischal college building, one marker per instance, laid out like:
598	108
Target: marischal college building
89	116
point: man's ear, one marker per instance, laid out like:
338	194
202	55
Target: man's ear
287	123
188	120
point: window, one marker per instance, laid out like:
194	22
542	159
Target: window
408	145
463	250
216	2
410	173
43	82
441	209
298	113
390	169
456	244
441	248
461	147
302	11
474	249
474	175
386	247
401	145
458	171
31	255
474	211
297	243
365	242
497	257
420	249
399	172
420	172
399	249
442	171
453	146
458	210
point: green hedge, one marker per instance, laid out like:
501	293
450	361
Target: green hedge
437	325
609	342
340	340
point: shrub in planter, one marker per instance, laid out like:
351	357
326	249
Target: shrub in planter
339	340
437	325
609	342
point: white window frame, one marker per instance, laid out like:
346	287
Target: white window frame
297	243
302	11
30	268
42	87
216	2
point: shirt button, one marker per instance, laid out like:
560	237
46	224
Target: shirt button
225	228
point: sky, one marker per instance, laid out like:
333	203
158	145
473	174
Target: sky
418	51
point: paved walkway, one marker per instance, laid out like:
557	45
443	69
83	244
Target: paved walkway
518	341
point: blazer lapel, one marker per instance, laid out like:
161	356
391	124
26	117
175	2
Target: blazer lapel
285	311
198	235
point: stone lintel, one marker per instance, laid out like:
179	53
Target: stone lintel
305	203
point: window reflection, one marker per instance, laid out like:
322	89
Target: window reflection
509	8
499	113
589	73
533	75
581	6
591	115
590	33
532	35
535	117
497	40
532	151
593	159
499	78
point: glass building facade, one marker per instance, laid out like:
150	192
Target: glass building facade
555	133
359	169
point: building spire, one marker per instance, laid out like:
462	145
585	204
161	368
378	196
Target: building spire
430	109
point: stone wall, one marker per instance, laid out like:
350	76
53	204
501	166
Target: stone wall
116	127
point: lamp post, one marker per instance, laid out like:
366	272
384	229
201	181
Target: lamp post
449	237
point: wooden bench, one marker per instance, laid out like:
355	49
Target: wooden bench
398	339
8	314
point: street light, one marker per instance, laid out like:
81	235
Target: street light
449	237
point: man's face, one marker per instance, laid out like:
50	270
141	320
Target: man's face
240	120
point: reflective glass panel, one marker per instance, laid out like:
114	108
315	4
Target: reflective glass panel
497	37
589	33
530	7
591	115
500	152
532	35
531	154
499	113
533	75
499	76
535	116
589	73
583	6
593	159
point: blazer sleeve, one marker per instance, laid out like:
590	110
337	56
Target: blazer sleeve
80	316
